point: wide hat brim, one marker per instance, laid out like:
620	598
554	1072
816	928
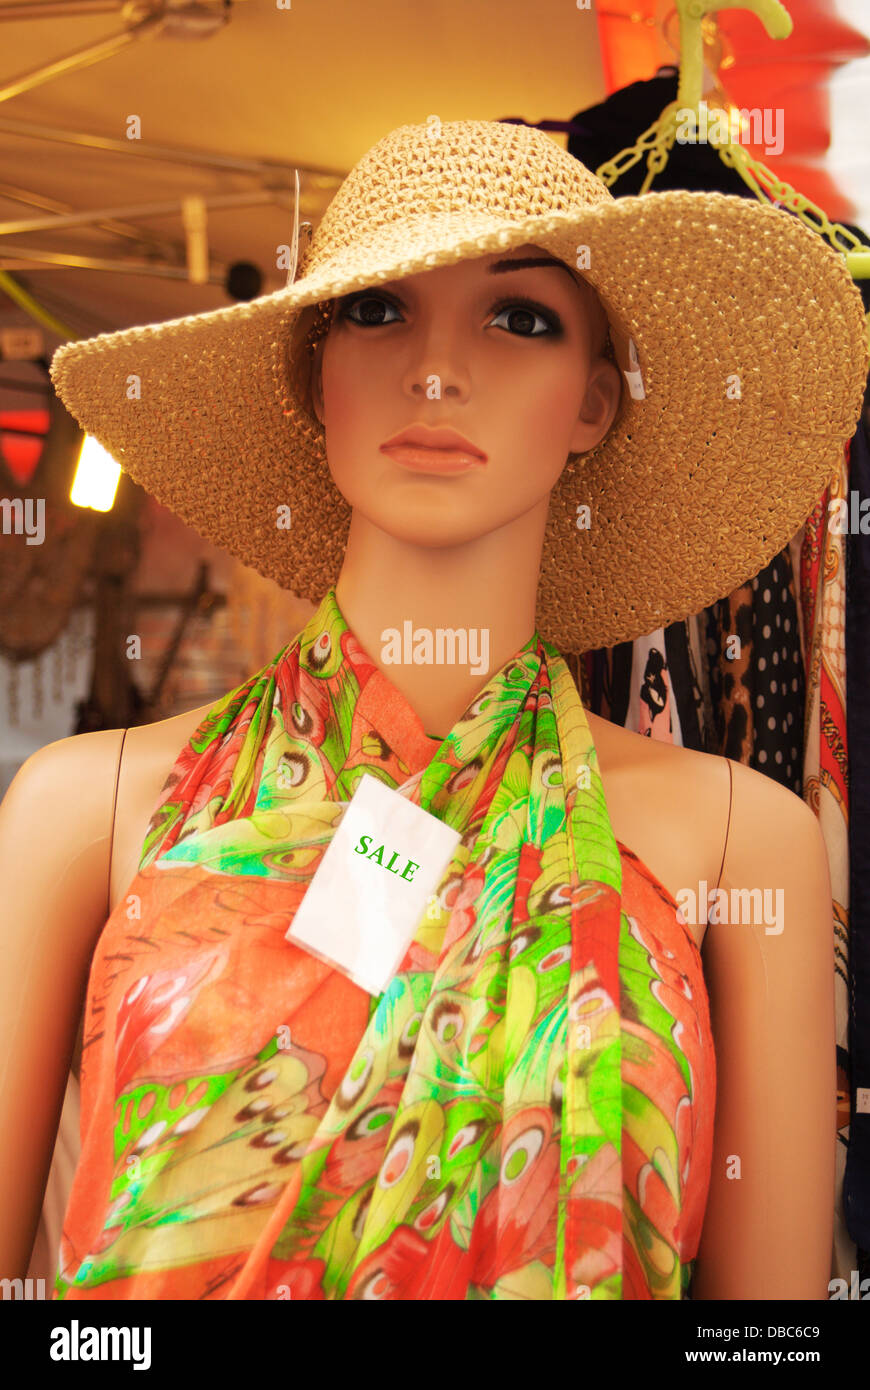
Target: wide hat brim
752	345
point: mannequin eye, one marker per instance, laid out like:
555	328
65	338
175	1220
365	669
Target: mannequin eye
370	310
527	320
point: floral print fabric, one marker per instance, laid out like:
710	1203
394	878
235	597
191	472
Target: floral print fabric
525	1112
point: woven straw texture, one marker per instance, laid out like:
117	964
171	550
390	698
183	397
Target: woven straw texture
691	492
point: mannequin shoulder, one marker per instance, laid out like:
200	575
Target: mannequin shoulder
771	827
663	773
623	750
150	752
689	821
669	800
90	766
70	783
55	842
775	868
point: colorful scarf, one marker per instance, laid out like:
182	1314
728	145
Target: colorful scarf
525	1112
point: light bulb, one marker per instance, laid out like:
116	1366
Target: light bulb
96	477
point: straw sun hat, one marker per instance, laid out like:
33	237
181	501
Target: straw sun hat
739	331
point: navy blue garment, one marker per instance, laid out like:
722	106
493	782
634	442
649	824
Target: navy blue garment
602	131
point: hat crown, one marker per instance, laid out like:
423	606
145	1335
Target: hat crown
455	171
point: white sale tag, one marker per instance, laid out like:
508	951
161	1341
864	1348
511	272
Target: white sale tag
362	908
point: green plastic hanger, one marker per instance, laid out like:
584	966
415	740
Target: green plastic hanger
658	140
692	13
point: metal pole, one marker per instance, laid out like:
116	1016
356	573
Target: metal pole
170	154
56	9
81	58
163	246
81	219
56	258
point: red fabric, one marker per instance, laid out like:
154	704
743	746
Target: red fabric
791	74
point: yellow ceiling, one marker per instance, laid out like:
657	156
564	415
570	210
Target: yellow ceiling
314	85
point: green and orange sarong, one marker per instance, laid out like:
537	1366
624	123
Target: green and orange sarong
525	1112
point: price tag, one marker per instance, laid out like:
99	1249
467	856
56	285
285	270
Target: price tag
363	906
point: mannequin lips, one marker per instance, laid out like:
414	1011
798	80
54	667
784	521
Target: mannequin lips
433	451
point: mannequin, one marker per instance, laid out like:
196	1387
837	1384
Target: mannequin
526	384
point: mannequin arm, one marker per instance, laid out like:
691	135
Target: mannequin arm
768	1228
55	828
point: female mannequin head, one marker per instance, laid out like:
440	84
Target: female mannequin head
507	353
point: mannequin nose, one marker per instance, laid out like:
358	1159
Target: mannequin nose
435	375
432	387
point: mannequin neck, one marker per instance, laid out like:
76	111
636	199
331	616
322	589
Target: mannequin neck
393	592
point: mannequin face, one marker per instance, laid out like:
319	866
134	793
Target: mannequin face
505	356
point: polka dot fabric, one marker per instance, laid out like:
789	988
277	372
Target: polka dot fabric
779	685
756	674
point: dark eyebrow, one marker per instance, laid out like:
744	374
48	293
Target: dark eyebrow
526	263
